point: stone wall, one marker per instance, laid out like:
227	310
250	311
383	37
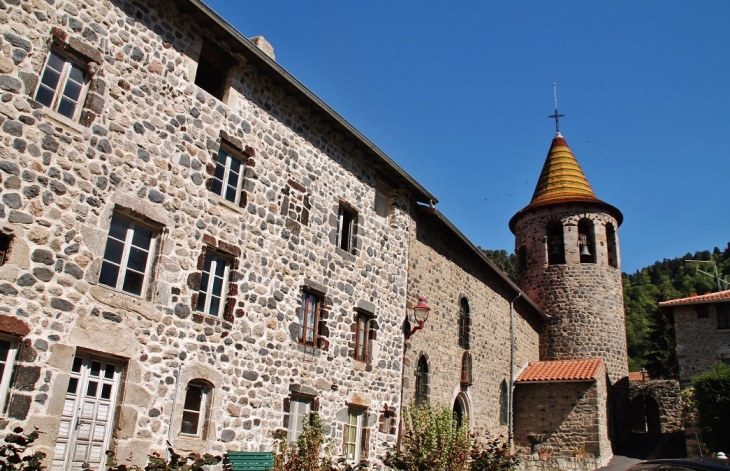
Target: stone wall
699	342
572	414
666	395
585	300
444	268
145	145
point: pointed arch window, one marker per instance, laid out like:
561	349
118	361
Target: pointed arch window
422	388
586	241
503	403
464	323
611	242
555	244
195	408
466	376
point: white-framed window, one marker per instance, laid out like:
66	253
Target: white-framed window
195	409
128	256
213	282
299	409
363	337
353	436
309	318
63	84
8	349
346	229
227	179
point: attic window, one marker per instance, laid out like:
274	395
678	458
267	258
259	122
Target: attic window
213	68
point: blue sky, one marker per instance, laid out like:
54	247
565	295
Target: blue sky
458	94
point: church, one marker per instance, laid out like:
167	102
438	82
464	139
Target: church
196	249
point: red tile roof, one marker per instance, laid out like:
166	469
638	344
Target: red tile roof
562	370
638	376
704	298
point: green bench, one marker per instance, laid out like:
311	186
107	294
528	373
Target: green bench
249	461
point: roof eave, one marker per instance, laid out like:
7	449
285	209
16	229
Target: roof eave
612	210
270	67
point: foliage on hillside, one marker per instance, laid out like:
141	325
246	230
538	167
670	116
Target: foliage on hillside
649	332
507	262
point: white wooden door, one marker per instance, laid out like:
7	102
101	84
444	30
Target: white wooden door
88	414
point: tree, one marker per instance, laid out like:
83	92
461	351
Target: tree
712	398
507	262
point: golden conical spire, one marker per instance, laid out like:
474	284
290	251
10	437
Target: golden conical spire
561	180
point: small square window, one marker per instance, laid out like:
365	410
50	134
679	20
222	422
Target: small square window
4	248
309	319
346	228
213	284
702	311
128	256
226	181
213	69
63	85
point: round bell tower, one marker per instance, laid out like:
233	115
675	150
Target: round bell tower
568	262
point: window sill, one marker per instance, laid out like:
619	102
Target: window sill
309	350
67	124
345	254
128	302
224	203
202	318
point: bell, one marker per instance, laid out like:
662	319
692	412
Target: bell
556	249
584	250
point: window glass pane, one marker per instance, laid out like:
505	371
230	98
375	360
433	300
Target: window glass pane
220	170
50	79
66	107
95	368
230	194
217	286
4	350
106	391
113	251
44	96
201	302
73	384
220	267
118	228
214	306
190	423
137	259
72	91
109	371
207	262
133	282
91	389
235	164
193	398
216	187
142	237
77	73
78	362
56	61
2	370
109	275
204	280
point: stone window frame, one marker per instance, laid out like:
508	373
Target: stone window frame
7	365
235	148
464	323
6	245
722	313
555	243
225	251
422	386
357	422
211	55
140	221
189	374
298	395
206	389
92	97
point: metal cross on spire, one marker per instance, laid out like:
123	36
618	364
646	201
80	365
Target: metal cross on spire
556	115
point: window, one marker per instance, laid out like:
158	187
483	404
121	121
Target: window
309	318
522	260
299	409
556	244
383	195
363	337
4	248
725	358
8	348
213	282
702	311
503	403
723	316
611	243
346	229
213	68
226	182
63	84
466	376
586	241
354	435
195	409
422	381
128	256
464	323
460	410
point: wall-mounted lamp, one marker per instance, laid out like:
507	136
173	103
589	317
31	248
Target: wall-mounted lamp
420	314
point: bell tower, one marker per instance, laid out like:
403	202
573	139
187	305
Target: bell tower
568	262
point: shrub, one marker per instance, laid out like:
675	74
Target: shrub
712	398
12	453
492	455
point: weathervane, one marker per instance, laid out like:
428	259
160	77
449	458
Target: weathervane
556	115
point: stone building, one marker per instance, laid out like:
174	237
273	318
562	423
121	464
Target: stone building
702	330
194	248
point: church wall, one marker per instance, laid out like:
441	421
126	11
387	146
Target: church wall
144	148
444	269
585	300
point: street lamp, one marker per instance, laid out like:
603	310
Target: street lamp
420	314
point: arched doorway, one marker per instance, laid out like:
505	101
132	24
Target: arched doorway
645	415
461	410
